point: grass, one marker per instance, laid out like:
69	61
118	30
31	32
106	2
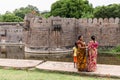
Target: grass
42	75
110	51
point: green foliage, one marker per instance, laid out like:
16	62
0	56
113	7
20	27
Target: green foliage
10	17
110	50
45	14
18	14
87	15
72	8
117	49
65	8
25	10
0	18
112	10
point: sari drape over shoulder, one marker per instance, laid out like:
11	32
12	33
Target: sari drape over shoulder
92	56
81	57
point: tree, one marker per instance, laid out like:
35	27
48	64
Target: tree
112	10
25	10
45	14
10	17
0	18
72	8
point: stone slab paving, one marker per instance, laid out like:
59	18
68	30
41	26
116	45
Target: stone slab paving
102	70
19	63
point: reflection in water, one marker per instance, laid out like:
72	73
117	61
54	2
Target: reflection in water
3	49
17	52
62	57
112	59
12	51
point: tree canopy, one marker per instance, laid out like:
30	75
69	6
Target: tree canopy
72	8
45	14
10	17
25	10
112	10
65	8
18	14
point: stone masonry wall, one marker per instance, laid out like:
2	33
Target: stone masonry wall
13	31
106	30
56	32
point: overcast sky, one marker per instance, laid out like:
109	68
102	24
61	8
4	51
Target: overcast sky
42	5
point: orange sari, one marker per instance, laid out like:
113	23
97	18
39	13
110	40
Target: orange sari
81	57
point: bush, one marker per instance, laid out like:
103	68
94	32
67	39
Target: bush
11	18
117	48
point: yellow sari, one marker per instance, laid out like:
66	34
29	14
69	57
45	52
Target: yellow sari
81	57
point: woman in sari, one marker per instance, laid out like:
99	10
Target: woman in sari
92	54
81	54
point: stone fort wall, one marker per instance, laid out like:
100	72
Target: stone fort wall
12	31
56	32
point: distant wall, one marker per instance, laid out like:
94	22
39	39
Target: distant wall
12	30
106	30
63	32
56	32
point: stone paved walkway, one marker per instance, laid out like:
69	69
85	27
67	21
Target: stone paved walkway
18	63
102	70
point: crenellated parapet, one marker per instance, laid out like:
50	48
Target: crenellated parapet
57	32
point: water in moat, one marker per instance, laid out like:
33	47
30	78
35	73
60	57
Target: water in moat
18	52
12	51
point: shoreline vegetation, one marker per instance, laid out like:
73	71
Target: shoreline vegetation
114	50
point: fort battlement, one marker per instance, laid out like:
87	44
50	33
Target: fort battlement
56	32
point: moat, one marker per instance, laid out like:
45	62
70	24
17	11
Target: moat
17	51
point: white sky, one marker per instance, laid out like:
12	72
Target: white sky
42	5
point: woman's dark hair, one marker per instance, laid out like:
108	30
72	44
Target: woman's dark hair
93	38
79	37
76	45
